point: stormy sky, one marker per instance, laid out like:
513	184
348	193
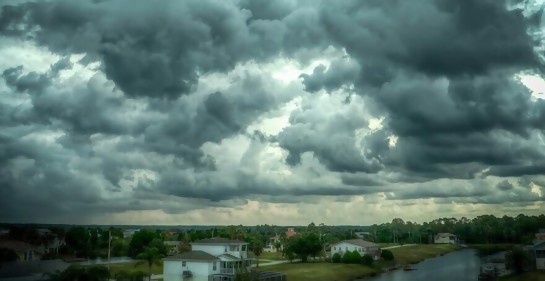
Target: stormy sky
279	112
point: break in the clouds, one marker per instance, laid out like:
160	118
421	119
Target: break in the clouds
285	112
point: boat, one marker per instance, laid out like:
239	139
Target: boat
408	268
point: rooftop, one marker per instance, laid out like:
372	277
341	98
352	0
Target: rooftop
360	242
193	255
218	240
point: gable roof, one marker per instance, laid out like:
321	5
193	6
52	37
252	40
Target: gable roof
193	255
444	235
218	240
359	242
539	245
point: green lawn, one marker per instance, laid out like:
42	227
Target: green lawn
271	256
417	253
321	271
528	276
135	266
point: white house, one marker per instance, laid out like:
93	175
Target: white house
363	247
539	249
213	259
445	238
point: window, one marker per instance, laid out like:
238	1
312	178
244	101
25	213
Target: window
214	266
346	248
334	248
225	248
233	248
183	263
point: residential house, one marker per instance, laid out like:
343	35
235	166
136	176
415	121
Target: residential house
270	247
539	250
173	247
24	251
212	259
129	232
445	238
361	246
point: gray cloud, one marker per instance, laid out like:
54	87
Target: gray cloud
504	185
174	80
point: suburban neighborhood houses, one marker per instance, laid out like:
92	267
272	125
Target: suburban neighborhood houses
231	253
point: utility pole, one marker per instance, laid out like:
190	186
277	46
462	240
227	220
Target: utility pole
109	246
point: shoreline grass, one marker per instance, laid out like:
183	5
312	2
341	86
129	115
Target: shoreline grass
417	253
322	271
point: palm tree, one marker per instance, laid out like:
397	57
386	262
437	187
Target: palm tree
257	247
150	256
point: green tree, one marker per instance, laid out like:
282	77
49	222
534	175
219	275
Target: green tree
77	239
94	273
305	245
336	258
141	240
367	260
517	259
257	246
347	257
356	257
7	255
150	256
387	255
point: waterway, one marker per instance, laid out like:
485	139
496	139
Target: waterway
455	266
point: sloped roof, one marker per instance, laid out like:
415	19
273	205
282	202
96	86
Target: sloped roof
19	246
539	244
444	235
359	242
218	240
229	257
194	255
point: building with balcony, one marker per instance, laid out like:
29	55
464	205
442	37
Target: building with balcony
212	259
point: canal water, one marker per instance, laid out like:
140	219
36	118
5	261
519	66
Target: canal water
455	266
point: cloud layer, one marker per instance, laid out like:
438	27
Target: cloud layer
132	112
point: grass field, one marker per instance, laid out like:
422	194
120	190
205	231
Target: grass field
417	253
271	256
528	276
322	271
135	266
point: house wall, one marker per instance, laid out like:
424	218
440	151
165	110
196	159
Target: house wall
341	248
540	263
172	270
445	240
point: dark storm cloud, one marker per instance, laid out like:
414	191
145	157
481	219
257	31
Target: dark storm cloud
439	72
504	185
147	49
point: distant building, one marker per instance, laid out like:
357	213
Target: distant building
445	238
540	235
539	250
213	259
270	247
129	232
24	251
361	246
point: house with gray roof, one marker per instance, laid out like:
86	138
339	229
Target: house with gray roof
359	245
211	259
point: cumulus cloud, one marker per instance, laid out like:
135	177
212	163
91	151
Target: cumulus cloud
193	107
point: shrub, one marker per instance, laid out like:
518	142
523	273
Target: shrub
367	260
387	255
336	258
356	257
